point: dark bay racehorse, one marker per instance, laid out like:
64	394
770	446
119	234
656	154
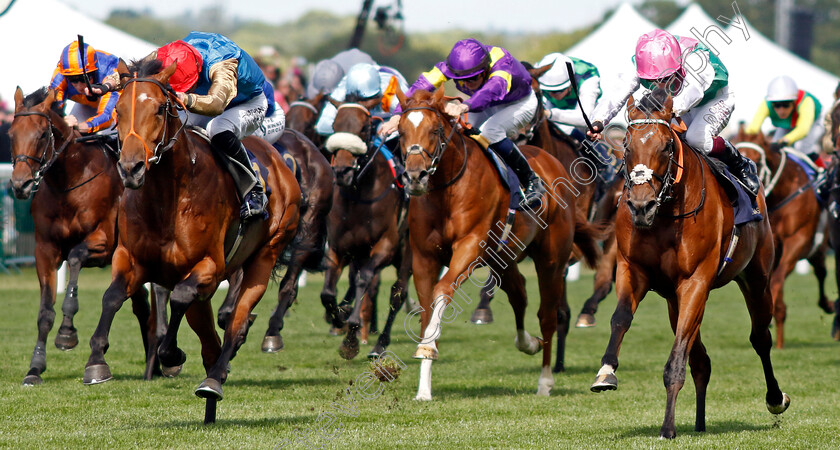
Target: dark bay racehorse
367	226
456	219
76	191
795	216
303	115
177	233
834	206
673	228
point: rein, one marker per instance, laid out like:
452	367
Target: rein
440	147
764	173
153	156
643	175
44	163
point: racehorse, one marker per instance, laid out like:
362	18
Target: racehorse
457	218
175	232
366	226
306	252
674	228
303	115
795	216
75	194
833	183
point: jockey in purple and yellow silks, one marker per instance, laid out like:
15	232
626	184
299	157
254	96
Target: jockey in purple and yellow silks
703	100
501	101
94	111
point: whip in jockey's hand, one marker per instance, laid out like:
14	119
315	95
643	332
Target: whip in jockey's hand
595	132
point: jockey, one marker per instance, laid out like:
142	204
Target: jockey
703	100
94	111
795	114
501	101
329	72
366	83
223	86
561	103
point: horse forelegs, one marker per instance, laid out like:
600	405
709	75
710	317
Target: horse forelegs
157	329
140	308
483	314
67	337
426	270
46	265
97	370
701	372
399	293
200	318
286	294
817	261
328	293
364	284
604	276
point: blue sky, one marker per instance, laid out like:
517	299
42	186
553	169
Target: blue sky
420	15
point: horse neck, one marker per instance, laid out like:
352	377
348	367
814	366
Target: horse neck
377	177
174	176
452	161
67	167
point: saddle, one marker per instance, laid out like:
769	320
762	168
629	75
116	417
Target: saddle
109	140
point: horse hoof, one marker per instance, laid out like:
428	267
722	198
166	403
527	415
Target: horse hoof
482	316
96	374
348	351
376	352
272	344
209	388
605	382
171	372
66	341
426	352
558	368
32	380
778	409
585	321
826	306
339	331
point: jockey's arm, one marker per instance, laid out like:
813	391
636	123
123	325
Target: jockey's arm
59	83
498	84
693	90
589	91
760	115
104	114
223	77
805	111
615	97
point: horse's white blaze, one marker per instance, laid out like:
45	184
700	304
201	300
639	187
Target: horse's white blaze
606	369
424	387
546	382
415	117
143	97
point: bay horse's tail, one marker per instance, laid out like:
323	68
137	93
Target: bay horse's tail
587	236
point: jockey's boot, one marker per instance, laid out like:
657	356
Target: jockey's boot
248	187
530	181
742	167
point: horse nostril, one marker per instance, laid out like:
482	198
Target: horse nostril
138	168
649	206
423	176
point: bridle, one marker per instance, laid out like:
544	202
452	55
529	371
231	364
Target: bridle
441	145
172	102
44	164
764	172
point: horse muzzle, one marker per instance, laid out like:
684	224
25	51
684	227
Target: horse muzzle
643	212
23	188
132	173
344	176
416	182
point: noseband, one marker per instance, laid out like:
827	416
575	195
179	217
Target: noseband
44	164
440	143
361	163
153	156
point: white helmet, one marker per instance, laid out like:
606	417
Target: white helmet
557	78
363	80
782	89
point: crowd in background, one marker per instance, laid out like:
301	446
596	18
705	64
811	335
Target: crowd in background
290	85
5	122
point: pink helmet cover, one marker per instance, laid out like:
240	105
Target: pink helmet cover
658	55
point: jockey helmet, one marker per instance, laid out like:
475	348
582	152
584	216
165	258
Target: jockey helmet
189	64
467	59
557	77
658	55
71	60
326	76
363	81
782	89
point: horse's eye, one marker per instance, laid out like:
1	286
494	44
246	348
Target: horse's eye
161	109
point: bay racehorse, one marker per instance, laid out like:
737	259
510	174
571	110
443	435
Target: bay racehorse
676	235
303	115
833	183
457	217
367	226
75	194
175	232
795	216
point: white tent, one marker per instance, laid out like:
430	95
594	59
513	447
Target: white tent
35	31
752	61
612	45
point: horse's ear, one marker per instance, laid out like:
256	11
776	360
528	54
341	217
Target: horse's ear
50	98
668	107
315	101
334	102
438	95
631	104
538	72
18	99
167	72
401	96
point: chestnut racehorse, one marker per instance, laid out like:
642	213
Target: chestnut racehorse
674	227
456	219
75	194
795	216
175	232
366	227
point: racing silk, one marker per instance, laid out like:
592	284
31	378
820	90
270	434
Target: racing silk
566	111
106	70
233	72
696	87
508	82
389	80
806	111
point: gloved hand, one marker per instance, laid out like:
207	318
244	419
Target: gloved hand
595	133
778	146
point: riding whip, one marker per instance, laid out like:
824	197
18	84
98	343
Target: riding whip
577	94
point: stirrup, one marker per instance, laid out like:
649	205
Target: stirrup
534	190
253	205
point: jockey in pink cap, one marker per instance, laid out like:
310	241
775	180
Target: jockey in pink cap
703	100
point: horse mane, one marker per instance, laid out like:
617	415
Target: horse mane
653	101
145	67
38	97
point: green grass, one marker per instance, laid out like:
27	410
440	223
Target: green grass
483	387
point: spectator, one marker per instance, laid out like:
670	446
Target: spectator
5	122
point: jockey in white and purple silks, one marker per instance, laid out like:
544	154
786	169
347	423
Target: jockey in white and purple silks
501	100
703	100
